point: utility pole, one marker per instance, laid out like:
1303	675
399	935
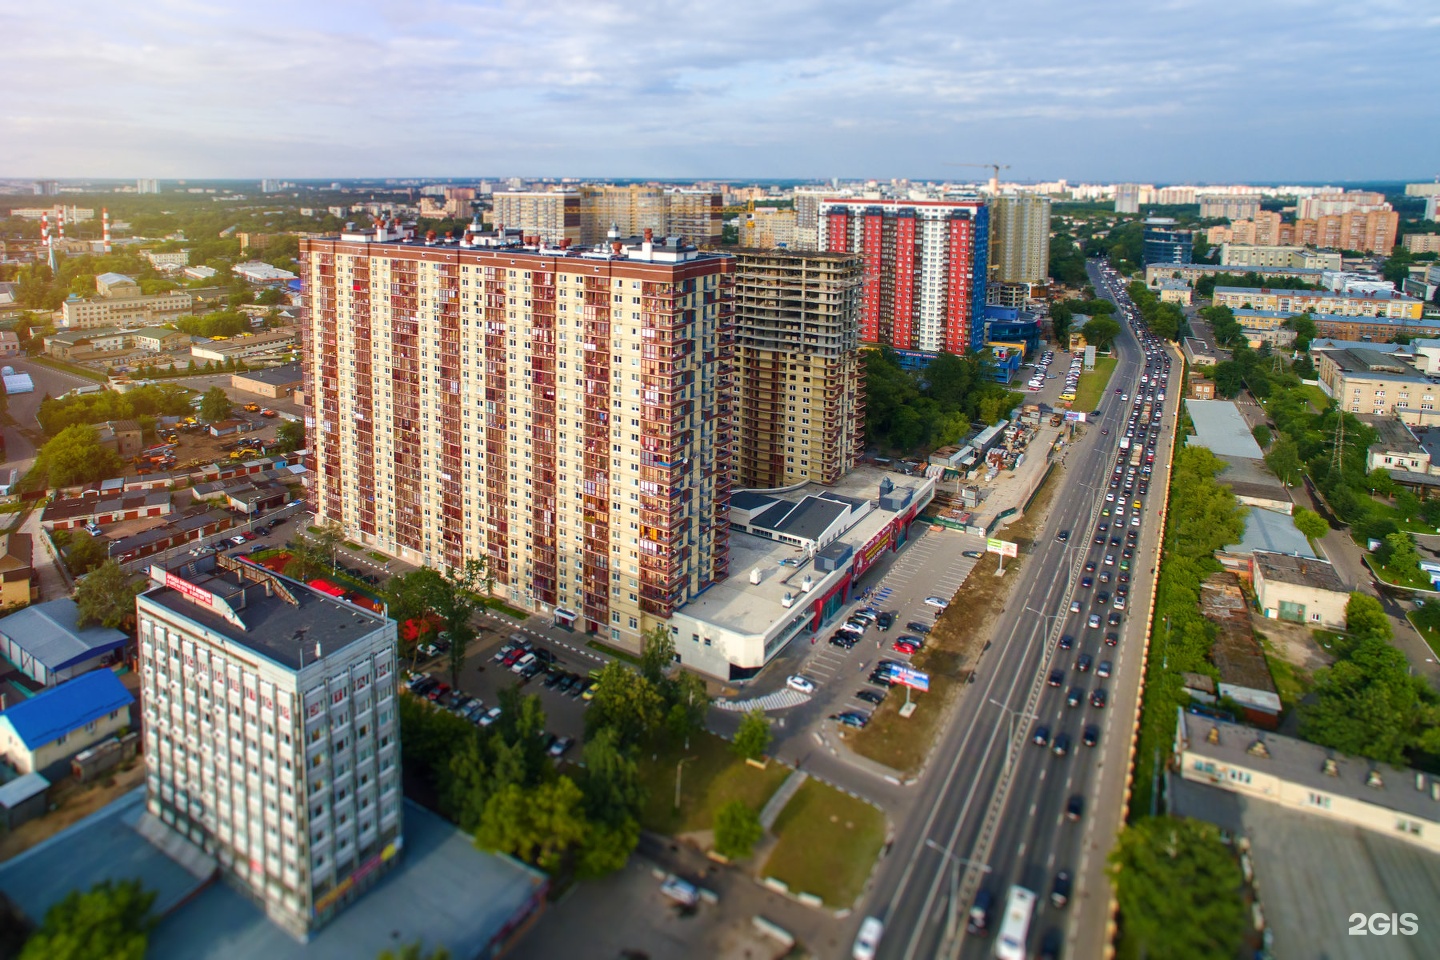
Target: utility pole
953	914
1337	457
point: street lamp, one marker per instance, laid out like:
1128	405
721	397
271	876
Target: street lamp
678	766
1015	717
955	862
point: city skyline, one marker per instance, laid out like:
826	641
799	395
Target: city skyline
800	91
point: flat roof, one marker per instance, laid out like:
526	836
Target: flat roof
1323	294
285	373
444	892
740	606
284	632
1305	764
1221	429
1394	435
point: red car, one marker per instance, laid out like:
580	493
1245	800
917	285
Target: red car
513	655
439	691
906	648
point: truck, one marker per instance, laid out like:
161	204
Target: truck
252	407
1124	443
1135	456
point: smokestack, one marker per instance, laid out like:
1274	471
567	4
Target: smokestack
105	228
45	229
616	246
62	223
649	235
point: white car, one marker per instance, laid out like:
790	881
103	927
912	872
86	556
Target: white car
937	602
867	941
797	682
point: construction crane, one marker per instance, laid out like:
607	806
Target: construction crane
994	168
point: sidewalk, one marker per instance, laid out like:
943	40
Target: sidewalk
54	579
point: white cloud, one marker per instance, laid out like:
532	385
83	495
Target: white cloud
745	88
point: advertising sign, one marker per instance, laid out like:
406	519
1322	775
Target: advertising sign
1005	548
1075	416
914	679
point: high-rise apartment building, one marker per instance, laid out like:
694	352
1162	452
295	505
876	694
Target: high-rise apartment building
694	215
800	403
564	415
1020	239
147	186
925	268
1229	207
1127	198
632	209
552	216
271	735
1371	231
768	228
1335	204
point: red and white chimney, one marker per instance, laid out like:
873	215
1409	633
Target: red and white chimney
105	229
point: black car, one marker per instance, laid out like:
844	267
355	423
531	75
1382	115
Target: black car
870	696
1074	808
1057	677
1060	890
1091	735
1103	597
544	656
1066	641
1063	536
1113	619
917	627
842	640
552	681
972	554
1097	698
1061	746
978	923
881	678
885	621
1041	737
1112	638
1075	697
1082	663
851	718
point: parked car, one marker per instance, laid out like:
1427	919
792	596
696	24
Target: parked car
900	646
797	682
851	718
870	696
560	745
917	627
937	602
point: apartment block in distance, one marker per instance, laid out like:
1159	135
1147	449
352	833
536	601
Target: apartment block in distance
563	414
694	215
552	216
925	269
800	404
271	734
632	209
1383	304
1020	239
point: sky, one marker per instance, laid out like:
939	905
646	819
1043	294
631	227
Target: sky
1163	91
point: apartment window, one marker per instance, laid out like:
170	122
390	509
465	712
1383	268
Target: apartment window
1318	800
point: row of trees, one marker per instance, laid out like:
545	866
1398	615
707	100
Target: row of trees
1062	315
155	400
910	410
1164	319
1205	286
1367	704
221	323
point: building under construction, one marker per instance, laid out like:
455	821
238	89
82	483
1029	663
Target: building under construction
801	398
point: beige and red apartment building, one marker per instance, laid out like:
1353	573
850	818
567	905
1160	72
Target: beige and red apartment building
565	415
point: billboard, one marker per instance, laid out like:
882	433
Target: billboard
1073	416
914	679
1005	548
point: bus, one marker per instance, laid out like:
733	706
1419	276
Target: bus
1015	924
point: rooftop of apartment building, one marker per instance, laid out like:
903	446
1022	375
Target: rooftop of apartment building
1328	294
281	619
1392	435
1363	361
1308	765
644	248
1299	571
803	514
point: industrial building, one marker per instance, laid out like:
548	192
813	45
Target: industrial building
925	269
800	398
565	415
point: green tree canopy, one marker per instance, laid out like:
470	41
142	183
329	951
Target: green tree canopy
84	553
290	435
110	921
215	405
1310	523
414	951
107	596
1368	705
1179	889
737	830
1101	331
627	702
538	826
752	739
1365	618
74	455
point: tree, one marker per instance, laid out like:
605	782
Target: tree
1284	461
84	553
752	739
737	830
689	701
215	405
1407	504
1367	705
305	561
456	604
106	596
290	436
1229	378
658	655
1310	523
611	782
1261	434
1402	558
538	826
108	922
1101	331
1365	618
627	702
607	848
467	788
327	540
74	456
1179	889
1378	481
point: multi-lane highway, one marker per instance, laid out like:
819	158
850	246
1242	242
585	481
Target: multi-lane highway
992	811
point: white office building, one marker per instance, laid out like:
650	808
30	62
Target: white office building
271	734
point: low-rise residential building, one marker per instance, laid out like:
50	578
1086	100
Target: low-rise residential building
1363	380
18	583
9	343
1382	304
1199	353
178	258
41	734
1396	447
159	339
1200	388
1250	256
77	344
1175	291
1300	590
1309	778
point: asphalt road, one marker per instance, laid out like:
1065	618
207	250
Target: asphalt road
977	825
19	451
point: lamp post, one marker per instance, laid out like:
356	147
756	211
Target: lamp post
1015	717
1155	767
678	766
952	918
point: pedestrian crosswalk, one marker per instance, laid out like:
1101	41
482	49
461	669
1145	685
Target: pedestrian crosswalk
779	700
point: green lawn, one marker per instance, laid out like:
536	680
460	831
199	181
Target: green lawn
1432	637
713	778
1413	579
828	842
1316	396
74	368
1093	383
1291	683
